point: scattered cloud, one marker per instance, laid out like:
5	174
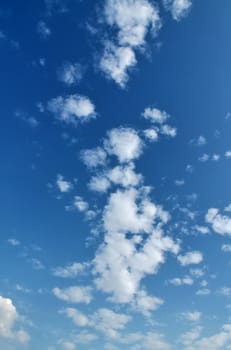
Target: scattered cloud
43	30
72	109
178	8
9	322
70	271
221	224
70	73
190	258
63	185
74	294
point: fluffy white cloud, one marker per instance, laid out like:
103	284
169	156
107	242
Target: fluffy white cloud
72	109
168	130
155	115
8	322
151	134
70	73
124	176
204	158
202	229
124	143
190	258
146	303
178	8
199	141
74	294
132	19
78	318
13	241
116	62
221	224
119	265
93	158
70	271
99	183
62	184
203	292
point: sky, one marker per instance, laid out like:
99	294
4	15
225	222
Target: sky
115	175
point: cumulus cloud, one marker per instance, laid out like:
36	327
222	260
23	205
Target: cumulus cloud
124	143
70	73
74	294
72	109
178	8
199	141
80	204
9	318
190	258
132	19
157	119
221	224
116	62
93	158
155	115
62	184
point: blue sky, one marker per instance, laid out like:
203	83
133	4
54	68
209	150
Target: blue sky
115	175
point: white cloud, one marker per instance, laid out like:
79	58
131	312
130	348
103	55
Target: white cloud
188	281
70	73
155	115
204	158
124	143
200	141
168	130
103	320
74	294
216	157
179	182
151	134
202	229
197	273
217	341
77	317
221	224
62	184
13	241
226	248
43	30
116	62
8	322
228	154
70	271
203	292
178	8
99	183
146	303
190	258
80	204
228	208
132	19
93	158
124	176
192	316
72	109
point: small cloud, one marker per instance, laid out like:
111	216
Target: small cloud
36	264
190	258
14	242
70	73
72	109
203	292
63	185
204	158
228	154
43	30
200	141
179	182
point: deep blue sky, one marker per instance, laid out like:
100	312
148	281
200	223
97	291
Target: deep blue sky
79	269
